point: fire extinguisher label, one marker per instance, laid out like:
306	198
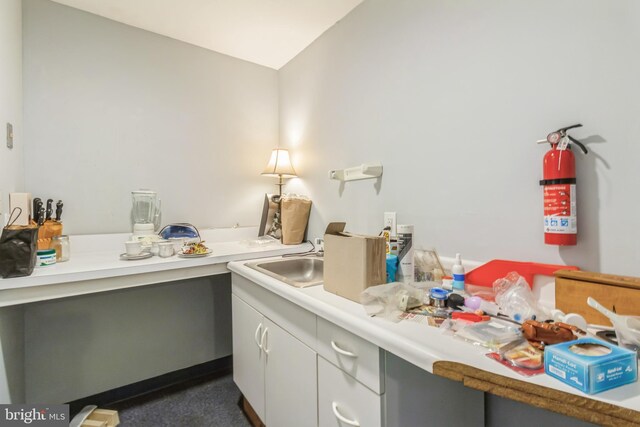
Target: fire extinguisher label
560	209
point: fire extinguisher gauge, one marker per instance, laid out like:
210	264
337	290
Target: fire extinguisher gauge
554	137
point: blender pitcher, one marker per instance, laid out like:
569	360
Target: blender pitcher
145	212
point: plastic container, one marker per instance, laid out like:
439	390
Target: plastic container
45	257
392	268
486	274
514	297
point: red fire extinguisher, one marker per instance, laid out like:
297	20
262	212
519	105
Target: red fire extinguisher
559	184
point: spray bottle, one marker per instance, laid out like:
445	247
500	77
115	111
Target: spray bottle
457	271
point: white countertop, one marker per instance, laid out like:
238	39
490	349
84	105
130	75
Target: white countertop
416	343
95	266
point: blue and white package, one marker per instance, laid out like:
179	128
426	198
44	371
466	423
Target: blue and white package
591	365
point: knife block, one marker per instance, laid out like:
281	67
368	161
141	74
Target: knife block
46	232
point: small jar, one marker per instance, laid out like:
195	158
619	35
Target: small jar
45	257
62	247
438	297
165	249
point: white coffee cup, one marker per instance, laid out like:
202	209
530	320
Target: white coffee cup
134	247
165	249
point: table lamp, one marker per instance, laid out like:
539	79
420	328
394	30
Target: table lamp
280	165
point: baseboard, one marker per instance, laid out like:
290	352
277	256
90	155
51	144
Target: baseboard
112	397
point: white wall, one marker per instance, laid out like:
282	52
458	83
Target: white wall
11	179
451	97
11	160
111	108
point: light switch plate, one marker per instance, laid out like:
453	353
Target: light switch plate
9	135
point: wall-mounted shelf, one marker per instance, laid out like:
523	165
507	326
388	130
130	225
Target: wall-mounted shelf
364	171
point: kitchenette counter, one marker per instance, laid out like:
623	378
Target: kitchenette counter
95	266
436	352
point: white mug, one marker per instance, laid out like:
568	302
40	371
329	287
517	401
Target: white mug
134	247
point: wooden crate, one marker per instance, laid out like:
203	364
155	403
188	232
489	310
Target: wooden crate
574	287
101	418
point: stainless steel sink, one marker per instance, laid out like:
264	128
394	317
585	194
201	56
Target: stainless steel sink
298	272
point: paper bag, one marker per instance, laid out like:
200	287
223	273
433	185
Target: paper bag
294	212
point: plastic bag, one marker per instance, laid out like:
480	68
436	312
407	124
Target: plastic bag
514	297
491	334
17	249
390	300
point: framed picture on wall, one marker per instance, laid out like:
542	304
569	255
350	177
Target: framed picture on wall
270	223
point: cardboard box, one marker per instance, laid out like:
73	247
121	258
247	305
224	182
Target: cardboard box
352	262
591	373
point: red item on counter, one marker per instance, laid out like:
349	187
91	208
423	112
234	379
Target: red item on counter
489	272
471	317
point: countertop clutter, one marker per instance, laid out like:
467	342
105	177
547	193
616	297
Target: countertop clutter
440	353
95	265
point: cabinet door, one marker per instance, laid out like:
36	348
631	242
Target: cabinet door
291	381
248	358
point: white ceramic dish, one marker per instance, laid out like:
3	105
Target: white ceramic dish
181	255
143	255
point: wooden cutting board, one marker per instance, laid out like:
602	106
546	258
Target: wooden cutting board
574	287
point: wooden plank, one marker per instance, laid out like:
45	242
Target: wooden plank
105	415
607	279
546	398
250	413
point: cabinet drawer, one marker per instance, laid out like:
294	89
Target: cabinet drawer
352	354
344	402
289	316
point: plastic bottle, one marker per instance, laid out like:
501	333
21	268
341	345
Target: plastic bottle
457	271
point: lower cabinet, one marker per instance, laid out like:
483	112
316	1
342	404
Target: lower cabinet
290	379
297	369
248	357
274	370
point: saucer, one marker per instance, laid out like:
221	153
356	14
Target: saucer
141	255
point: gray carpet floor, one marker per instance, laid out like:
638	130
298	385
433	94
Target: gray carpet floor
213	403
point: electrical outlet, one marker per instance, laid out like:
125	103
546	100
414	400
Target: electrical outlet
390	221
319	244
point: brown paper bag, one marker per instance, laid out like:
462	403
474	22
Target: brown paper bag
294	214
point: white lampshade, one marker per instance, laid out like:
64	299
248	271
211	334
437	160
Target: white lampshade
280	164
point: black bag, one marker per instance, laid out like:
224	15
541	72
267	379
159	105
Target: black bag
18	249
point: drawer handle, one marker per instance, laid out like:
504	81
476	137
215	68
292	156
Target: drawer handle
341	351
255	336
263	341
342	418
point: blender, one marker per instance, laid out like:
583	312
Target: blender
145	212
